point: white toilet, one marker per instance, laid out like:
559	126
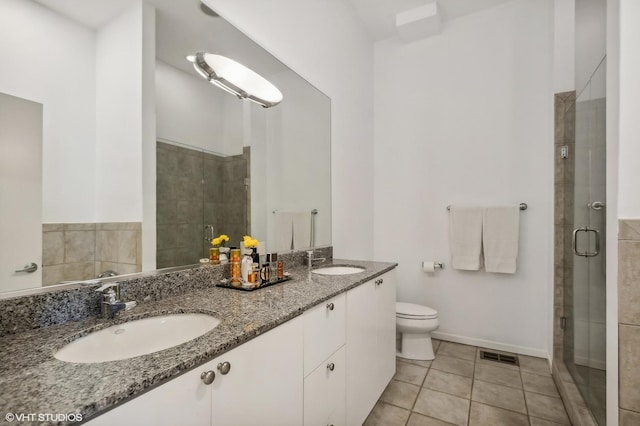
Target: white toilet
415	323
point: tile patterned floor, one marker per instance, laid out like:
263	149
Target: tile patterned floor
459	388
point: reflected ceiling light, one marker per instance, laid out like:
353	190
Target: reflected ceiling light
236	79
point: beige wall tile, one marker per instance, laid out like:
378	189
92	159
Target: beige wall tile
79	226
629	367
52	274
629	418
127	247
107	246
124	268
629	229
52	248
628	279
79	246
139	249
79	271
50	227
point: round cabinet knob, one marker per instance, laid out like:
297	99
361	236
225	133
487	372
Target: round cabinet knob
224	367
208	377
330	306
331	366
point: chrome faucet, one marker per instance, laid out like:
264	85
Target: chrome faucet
311	259
108	273
111	303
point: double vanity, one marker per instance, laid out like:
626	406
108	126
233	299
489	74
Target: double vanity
318	349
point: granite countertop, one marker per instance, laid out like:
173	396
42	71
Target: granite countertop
33	381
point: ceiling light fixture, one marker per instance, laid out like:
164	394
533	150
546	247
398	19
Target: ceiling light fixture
236	79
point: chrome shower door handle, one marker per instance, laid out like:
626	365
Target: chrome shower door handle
28	268
574	244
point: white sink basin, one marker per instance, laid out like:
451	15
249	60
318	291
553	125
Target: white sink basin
136	338
338	270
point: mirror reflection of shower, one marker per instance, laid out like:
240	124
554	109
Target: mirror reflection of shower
199	193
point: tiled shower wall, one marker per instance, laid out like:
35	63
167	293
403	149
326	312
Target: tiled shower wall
629	320
81	251
194	189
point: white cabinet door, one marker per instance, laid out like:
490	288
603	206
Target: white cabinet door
371	325
386	338
324	392
265	383
324	331
361	352
185	400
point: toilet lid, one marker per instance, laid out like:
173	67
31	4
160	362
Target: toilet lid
411	310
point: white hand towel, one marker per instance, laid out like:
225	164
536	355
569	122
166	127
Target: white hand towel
465	237
301	229
501	228
283	228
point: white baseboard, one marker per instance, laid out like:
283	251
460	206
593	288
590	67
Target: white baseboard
504	347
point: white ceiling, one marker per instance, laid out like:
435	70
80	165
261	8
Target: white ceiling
379	16
182	28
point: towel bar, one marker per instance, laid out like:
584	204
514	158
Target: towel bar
523	206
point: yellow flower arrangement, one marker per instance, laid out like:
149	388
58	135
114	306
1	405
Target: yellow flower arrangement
219	241
250	242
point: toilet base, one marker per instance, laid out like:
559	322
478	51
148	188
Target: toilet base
416	346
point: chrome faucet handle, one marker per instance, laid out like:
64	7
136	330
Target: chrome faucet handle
110	291
107	286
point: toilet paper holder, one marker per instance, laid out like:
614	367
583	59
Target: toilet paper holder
431	266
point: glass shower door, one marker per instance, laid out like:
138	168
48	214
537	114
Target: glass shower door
585	303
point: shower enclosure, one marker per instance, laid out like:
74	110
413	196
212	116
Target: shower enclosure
584	319
199	195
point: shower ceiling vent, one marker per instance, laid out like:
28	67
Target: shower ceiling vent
503	358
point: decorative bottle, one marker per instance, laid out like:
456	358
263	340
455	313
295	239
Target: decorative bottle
246	266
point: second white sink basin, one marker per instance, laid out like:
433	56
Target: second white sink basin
338	270
136	338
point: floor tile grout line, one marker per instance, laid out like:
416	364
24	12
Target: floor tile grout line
500	384
524	396
417	396
473	381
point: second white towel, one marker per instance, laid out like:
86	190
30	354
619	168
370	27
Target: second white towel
301	230
500	235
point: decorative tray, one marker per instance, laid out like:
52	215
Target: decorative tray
227	284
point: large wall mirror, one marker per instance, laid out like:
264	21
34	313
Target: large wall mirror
118	157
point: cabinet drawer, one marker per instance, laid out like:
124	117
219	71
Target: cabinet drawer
325	392
324	331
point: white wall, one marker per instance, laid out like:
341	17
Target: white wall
148	137
564	27
55	67
629	156
326	44
118	186
188	109
590	38
466	118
